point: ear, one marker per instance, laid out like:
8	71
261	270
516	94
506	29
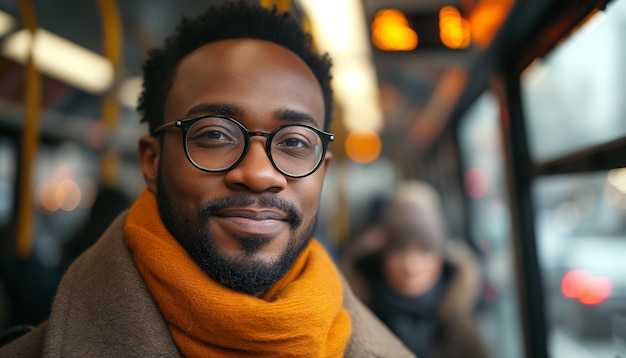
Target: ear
327	160
149	153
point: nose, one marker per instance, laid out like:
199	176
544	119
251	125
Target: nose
255	172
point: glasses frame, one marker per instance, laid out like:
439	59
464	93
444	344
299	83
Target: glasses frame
185	124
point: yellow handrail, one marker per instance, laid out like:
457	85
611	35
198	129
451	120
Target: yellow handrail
30	137
281	5
113	37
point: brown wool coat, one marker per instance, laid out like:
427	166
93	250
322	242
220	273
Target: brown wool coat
104	309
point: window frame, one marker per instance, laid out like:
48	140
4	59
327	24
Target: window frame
530	31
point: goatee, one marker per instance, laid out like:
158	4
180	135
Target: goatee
243	272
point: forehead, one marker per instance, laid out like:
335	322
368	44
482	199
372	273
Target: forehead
254	76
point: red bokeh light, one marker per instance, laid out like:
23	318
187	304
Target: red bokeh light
573	282
584	286
598	290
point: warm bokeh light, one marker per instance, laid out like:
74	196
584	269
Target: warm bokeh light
391	31
57	195
486	18
61	191
454	30
68	195
363	146
47	196
584	286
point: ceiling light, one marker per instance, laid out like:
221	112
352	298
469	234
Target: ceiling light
61	59
129	91
339	29
7	23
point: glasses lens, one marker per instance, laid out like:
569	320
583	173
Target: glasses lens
296	150
215	143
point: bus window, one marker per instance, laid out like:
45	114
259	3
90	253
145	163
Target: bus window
488	220
573	97
573	100
581	241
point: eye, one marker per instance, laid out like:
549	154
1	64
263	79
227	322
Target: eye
209	135
213	133
295	137
293	142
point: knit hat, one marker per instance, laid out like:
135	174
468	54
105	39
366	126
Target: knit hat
414	217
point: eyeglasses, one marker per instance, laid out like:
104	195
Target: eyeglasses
217	143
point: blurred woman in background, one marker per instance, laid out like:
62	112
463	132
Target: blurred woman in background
424	286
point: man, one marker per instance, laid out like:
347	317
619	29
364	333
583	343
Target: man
216	258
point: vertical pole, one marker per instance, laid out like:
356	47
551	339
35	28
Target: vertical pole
30	137
113	37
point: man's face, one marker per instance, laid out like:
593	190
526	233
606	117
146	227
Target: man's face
246	226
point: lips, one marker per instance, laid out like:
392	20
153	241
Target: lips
252	214
262	223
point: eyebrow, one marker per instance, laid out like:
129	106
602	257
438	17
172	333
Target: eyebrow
226	109
223	109
290	115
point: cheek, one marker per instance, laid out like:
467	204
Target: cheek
433	266
185	184
393	269
308	192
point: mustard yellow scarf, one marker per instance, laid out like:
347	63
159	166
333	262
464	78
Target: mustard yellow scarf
302	315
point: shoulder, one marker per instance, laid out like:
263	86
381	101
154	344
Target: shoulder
80	274
460	334
464	286
29	344
101	299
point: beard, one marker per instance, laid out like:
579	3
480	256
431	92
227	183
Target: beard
243	272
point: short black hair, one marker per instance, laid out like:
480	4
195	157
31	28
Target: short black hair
230	20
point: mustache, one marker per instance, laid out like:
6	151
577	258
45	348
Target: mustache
212	206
